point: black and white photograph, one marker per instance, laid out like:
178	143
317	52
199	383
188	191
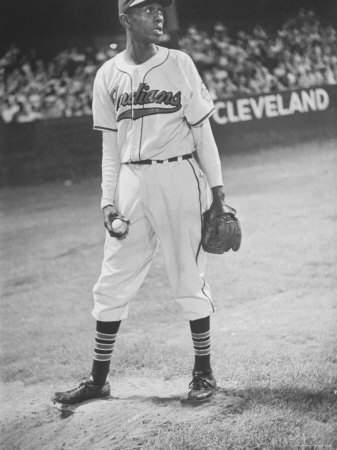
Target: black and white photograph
168	227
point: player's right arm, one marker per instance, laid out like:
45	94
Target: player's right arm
105	121
110	170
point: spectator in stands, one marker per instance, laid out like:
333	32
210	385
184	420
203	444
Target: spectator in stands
9	109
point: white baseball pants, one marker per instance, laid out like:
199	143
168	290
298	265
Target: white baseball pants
164	203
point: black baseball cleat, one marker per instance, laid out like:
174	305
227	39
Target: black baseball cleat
86	390
202	386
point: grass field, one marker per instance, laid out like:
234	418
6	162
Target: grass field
274	334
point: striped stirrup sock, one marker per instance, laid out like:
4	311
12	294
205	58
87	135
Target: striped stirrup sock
202	343
201	337
106	334
104	345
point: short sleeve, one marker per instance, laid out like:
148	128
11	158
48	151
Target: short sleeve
199	105
102	107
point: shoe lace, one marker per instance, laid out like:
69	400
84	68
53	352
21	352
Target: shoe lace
198	382
79	387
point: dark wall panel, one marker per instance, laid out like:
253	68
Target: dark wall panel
69	149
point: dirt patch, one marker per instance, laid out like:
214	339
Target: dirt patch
135	411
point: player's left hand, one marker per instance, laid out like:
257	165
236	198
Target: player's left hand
221	229
216	208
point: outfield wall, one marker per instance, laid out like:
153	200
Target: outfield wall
286	118
69	149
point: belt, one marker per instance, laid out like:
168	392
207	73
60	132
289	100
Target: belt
162	161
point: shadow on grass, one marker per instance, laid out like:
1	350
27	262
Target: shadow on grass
321	404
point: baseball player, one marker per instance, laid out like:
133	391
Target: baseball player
153	110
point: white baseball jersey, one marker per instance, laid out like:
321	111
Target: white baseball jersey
152	106
157	109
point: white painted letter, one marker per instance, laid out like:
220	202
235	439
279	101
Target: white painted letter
281	109
308	100
220	120
230	113
270	102
295	103
322	99
244	111
257	106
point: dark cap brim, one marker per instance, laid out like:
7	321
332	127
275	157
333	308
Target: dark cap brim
136	3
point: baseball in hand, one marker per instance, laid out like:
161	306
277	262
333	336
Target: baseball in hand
119	226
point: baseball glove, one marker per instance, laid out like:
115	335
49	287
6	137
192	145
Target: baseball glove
221	232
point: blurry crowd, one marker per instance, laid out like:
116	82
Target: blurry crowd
32	89
302	54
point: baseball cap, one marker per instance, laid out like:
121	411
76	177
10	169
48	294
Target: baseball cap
123	5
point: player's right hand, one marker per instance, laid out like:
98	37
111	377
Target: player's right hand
110	213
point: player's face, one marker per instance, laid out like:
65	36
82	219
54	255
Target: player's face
146	23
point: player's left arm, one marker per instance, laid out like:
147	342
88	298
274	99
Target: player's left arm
197	110
210	163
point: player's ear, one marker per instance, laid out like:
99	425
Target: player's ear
124	20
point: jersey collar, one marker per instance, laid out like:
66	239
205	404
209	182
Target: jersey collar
154	61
